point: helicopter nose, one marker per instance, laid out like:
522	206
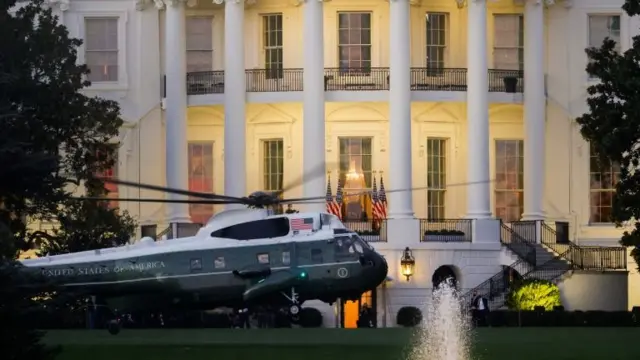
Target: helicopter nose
378	267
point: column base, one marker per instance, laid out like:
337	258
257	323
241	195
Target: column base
479	215
533	216
486	231
403	232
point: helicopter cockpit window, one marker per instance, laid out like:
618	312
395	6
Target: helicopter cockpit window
258	229
343	245
359	244
263	258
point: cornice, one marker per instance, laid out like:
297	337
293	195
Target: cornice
62	5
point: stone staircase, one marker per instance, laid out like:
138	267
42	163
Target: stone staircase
544	255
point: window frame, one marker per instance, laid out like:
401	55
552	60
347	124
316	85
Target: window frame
212	49
610	170
519	164
259	255
213	174
589	15
276	73
113	204
366	199
193	261
217	260
437	70
519	48
123	76
361	71
444	166
263	155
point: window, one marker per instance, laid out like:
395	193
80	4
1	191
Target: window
508	50
199	43
110	173
354	41
436	42
602	27
218	263
286	258
273	160
196	264
603	177
101	48
272	45
200	169
436	178
356	176
316	255
263	258
509	179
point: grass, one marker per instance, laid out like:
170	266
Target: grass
329	344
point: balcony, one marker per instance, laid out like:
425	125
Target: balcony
336	79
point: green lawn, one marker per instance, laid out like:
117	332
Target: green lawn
365	344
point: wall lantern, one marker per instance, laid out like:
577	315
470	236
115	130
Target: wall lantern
407	263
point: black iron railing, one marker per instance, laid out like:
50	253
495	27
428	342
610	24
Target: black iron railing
440	79
585	257
356	79
370	231
352	79
522	247
274	80
445	230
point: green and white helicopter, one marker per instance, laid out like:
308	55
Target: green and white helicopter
240	258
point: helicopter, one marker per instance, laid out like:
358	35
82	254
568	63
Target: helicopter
239	258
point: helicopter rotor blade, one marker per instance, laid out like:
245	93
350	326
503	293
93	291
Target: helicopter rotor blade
369	192
313	174
176	191
147	200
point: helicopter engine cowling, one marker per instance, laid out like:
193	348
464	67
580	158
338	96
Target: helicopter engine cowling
252	272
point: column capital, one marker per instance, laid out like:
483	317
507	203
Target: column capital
161	4
566	3
247	2
300	2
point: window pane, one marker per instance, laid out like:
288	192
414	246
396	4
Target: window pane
509	165
273	50
603	178
356	174
273	164
200	167
603	26
354	40
508	41
436	177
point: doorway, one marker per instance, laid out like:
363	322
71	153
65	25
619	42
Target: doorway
351	310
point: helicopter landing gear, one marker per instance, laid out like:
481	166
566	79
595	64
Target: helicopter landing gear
295	307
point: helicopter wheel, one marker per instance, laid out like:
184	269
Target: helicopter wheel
294	310
114	327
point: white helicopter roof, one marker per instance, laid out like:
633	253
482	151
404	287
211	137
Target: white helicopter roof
302	227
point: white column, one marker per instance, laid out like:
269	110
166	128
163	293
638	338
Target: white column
400	203
235	170
313	102
534	111
478	204
176	109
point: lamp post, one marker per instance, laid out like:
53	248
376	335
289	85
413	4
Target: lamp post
407	263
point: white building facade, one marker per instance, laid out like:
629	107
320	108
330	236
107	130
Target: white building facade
472	101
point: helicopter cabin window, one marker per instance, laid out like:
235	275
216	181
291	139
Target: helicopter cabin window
343	246
316	255
218	263
286	258
196	264
259	229
356	177
263	258
200	166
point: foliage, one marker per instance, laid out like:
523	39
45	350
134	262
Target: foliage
612	125
53	140
310	318
530	293
409	316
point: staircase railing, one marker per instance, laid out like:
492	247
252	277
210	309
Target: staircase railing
164	232
518	244
585	257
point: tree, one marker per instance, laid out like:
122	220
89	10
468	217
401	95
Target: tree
531	293
612	125
51	138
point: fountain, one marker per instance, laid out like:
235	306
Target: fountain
446	329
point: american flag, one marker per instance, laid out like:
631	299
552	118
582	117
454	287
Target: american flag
332	206
339	198
302	224
382	199
375	203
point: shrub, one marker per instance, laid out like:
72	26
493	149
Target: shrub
310	318
409	316
531	293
